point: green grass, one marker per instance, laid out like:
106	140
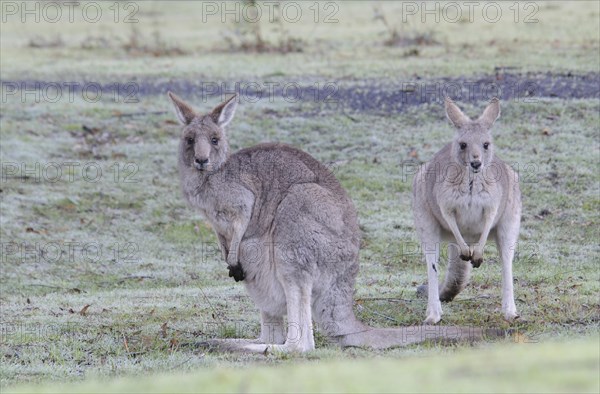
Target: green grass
570	366
150	269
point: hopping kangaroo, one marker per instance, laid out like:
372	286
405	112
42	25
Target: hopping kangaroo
465	194
289	231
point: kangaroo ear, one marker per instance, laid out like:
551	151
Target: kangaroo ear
184	111
456	116
223	113
491	113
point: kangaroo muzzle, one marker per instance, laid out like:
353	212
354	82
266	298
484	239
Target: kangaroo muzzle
200	164
476	165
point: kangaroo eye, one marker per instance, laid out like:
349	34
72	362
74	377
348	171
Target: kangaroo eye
190	141
463	146
486	145
214	141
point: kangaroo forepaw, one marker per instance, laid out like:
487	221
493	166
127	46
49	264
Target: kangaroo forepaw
465	252
477	257
476	263
236	272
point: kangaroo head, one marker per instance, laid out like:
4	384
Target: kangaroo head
473	144
203	145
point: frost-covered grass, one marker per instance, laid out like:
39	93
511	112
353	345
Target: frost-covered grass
157	284
542	36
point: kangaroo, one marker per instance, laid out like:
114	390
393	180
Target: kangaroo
289	232
465	194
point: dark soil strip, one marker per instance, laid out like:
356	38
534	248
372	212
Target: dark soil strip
381	96
524	88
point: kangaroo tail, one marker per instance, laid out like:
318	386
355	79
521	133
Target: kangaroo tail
382	338
457	278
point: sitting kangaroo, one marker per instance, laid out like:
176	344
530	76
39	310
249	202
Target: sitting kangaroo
464	194
289	231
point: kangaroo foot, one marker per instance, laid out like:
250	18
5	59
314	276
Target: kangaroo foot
434	313
227	345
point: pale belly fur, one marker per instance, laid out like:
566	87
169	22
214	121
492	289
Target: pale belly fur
261	281
470	217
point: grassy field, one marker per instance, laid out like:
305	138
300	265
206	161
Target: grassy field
483	371
105	272
346	41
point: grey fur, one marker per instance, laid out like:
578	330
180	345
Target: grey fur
285	219
453	200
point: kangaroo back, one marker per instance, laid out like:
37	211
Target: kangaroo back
270	170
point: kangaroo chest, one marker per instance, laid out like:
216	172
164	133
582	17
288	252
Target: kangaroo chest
218	214
470	214
470	206
221	221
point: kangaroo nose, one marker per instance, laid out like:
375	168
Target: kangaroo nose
199	163
475	164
